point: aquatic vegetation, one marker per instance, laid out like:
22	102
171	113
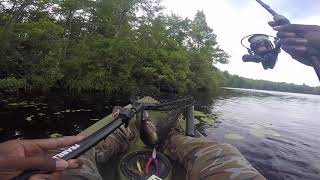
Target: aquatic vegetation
259	130
56	135
196	121
29	119
24	103
72	111
94	119
207	119
264	133
41	114
200	116
315	168
233	136
146	100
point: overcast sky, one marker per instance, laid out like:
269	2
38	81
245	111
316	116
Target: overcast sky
233	19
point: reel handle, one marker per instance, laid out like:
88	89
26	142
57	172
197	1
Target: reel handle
315	61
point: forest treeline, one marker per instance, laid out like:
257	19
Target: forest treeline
112	46
240	82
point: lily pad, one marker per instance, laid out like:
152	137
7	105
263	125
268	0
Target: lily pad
148	99
203	117
41	114
207	119
94	119
233	136
24	103
56	135
254	126
196	121
264	133
199	114
315	168
68	110
29	119
13	104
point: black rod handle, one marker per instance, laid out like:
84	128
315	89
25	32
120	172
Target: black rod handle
78	149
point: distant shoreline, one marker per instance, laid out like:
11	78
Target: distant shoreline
266	91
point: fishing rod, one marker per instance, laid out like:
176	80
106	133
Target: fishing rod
314	60
267	7
124	117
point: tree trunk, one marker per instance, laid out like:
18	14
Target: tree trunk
16	14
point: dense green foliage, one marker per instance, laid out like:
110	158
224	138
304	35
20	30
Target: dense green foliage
240	82
105	45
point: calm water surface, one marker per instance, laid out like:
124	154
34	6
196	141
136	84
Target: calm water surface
279	133
37	116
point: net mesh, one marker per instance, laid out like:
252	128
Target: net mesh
167	106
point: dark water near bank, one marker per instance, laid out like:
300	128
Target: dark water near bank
279	133
42	116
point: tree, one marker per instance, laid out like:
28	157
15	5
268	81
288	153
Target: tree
113	46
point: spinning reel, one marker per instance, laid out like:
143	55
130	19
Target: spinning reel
262	50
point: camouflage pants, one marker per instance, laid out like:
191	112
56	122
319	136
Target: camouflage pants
203	160
115	144
88	171
207	160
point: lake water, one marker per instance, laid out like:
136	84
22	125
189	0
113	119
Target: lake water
279	133
35	116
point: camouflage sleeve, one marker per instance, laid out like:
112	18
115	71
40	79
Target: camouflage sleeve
88	170
116	143
207	160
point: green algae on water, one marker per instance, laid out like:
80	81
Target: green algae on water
196	121
200	116
29	119
94	119
233	136
56	135
264	133
41	114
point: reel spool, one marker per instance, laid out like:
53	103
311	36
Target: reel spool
262	50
